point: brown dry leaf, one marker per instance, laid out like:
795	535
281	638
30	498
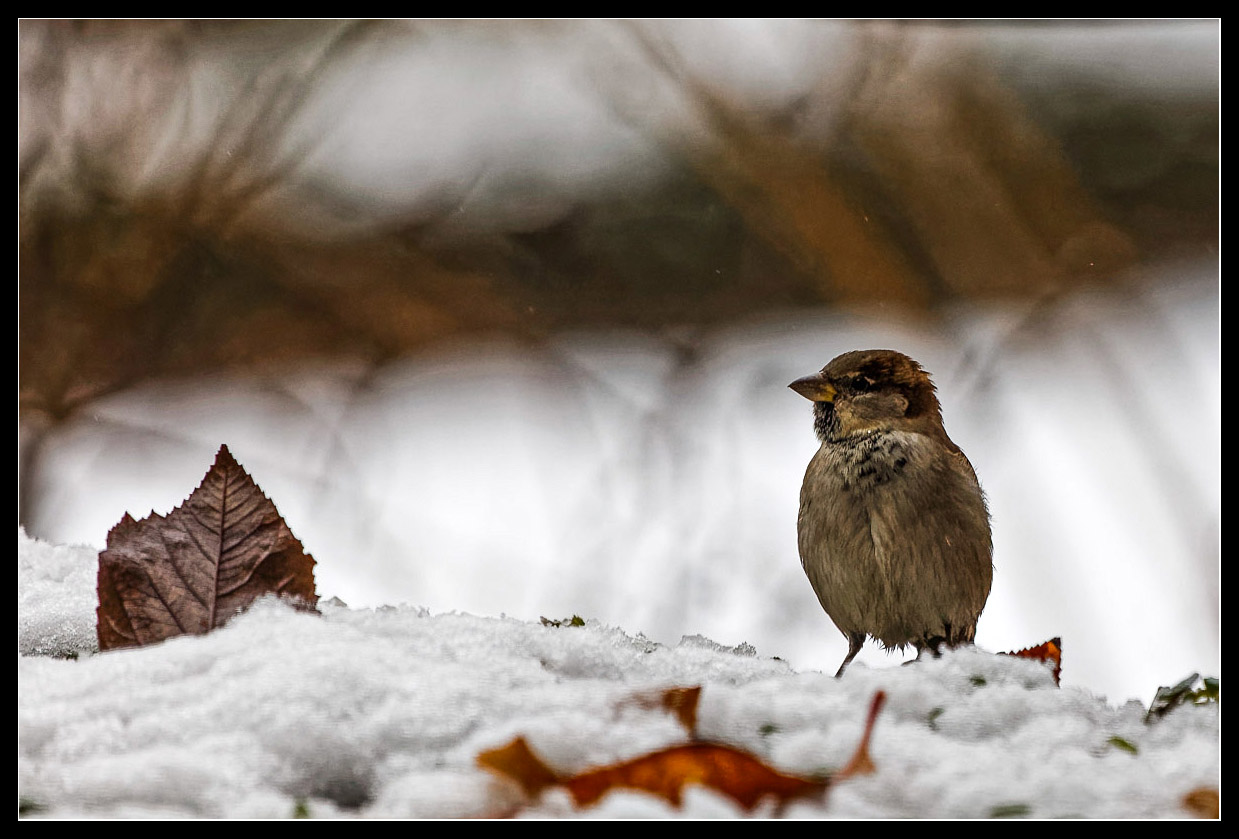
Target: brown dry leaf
1203	803
1050	652
189	572
518	762
679	701
737	774
861	763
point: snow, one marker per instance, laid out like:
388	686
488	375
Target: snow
381	713
56	598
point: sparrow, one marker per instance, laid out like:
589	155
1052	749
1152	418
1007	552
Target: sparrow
893	529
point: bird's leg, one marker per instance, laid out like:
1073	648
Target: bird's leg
934	645
856	640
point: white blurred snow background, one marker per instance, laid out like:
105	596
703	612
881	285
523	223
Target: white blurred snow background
600	476
643	477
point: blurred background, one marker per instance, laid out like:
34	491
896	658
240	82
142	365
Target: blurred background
502	314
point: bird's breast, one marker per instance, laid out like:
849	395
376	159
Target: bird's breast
863	465
858	489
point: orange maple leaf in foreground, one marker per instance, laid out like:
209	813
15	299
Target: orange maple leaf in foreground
735	773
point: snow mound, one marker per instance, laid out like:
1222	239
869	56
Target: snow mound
382	713
56	598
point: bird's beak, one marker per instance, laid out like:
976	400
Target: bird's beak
815	388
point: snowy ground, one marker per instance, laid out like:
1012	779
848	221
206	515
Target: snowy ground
382	713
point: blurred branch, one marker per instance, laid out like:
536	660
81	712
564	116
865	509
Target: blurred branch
991	198
956	190
784	191
120	283
255	150
161	165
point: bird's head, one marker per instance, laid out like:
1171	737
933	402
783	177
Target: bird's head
871	390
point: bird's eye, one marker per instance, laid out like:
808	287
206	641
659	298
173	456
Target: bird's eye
861	384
